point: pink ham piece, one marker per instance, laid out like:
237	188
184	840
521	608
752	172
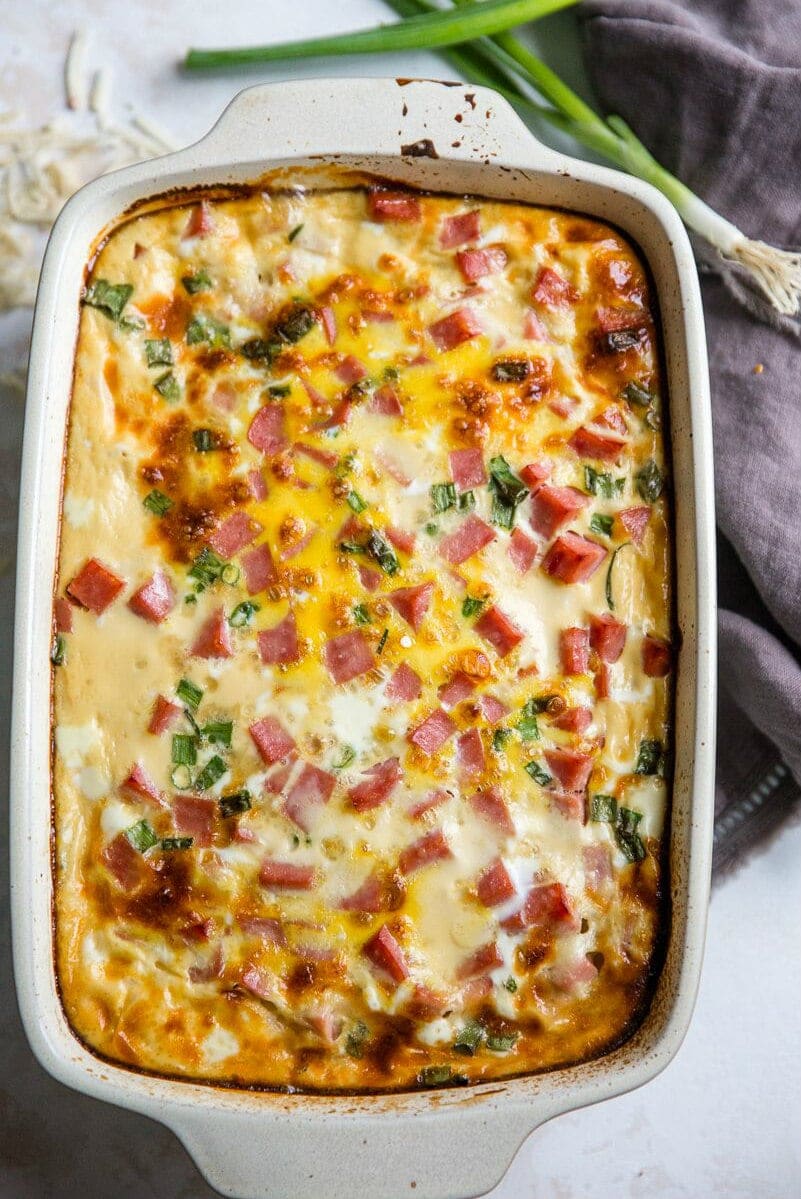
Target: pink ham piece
155	599
569	976
430	848
635	522
485	958
237	531
569	767
258	982
455	690
490	807
574	650
552	291
371	896
411	603
572	805
607	637
348	656
459	229
425	1004
278	778
597	865
467	469
604	447
573	559
329	323
200	222
533	328
404	685
279	645
95	587
522	551
369	579
547	906
392	467
431	801
62	611
271	739
385	402
205	972
193	816
476	264
126	864
224	397
470	758
378	783
552	507
257	485
269	930
603	681
311	789
574	720
384	951
492	708
259	569
612	320
139	785
392	206
431	735
470	537
452	330
350	370
655	657
164	715
534	474
401	539
266	430
286	876
292	551
613	418
494	885
214	638
563	405
499	631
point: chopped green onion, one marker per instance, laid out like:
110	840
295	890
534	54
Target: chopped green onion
157	502
437	1076
500	738
351	547
257	349
471	606
130	324
141	836
610	599
199	281
510	370
511	984
347	755
168	386
650	482
184	749
382	641
193	724
293	233
467	500
636	394
507	490
207	568
443	496
204	440
540	703
538	773
211	773
203	328
295	325
603	808
243	614
158	352
173	844
431	528
356	1039
277	391
234	803
527	725
626	835
356	502
602	483
219	732
651	758
230	574
181	777
386	557
189	693
469	1038
361	614
109	298
602	524
501	1042
58	653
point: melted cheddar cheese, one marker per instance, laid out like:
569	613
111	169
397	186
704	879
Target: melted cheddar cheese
362	683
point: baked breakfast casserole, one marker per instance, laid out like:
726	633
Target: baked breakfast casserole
362	662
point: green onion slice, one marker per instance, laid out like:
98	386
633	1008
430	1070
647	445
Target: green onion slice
157	502
234	803
109	298
141	836
181	778
243	614
173	844
189	693
211	773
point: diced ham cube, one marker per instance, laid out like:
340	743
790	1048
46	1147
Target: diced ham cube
194	816
266	430
350	370
392	467
604	447
62	610
569	767
257	485
95	587
237	531
455	690
498	630
164	715
279	776
384	951
280	645
292	551
431	801
378	783
534	474
494	885
492	708
522	550
214	638
259	983
271	739
401	539
612	418
574	650
552	507
572	804
425	1004
573	559
597	865
603	681
322	457
404	685
452	330
467	469
155	599
126	864
392	206
369	579
286	876
491	807
310	790
470	758
470	537
533	328
432	847
431	735
224	397
655	657
635	522
266	928
411	603
200	222
329	323
259	569
563	405
574	720
552	291
481	961
459	229
139	785
607	637
385	402
613	320
348	656
371	896
569	976
476	264
547	906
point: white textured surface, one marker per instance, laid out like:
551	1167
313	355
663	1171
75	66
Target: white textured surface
724	1119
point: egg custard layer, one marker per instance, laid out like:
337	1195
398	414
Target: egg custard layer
362	663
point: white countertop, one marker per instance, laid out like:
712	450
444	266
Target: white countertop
724	1119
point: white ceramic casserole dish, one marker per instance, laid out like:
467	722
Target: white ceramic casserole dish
455	1142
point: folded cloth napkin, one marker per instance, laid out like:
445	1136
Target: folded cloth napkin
713	88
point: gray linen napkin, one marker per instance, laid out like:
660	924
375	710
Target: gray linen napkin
713	88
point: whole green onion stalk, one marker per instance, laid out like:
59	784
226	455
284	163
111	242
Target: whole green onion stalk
476	39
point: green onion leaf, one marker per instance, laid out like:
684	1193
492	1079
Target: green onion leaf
511	984
203	328
168	386
382	641
347	755
211	773
356	502
230	574
109	298
431	528
507	490
361	614
141	836
626	835
527	725
603	808
538	773
234	803
184	749
443	496
207	568
204	440
383	554
243	614
295	325
602	524
471	606
157	502
257	349
199	281
356	1039
635	393
437	1076
181	778
602	483
651	758
500	738
610	599
469	1038
58	653
158	352
510	370
501	1042
351	547
218	732
189	693
173	844
467	500
650	482
293	233
277	391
